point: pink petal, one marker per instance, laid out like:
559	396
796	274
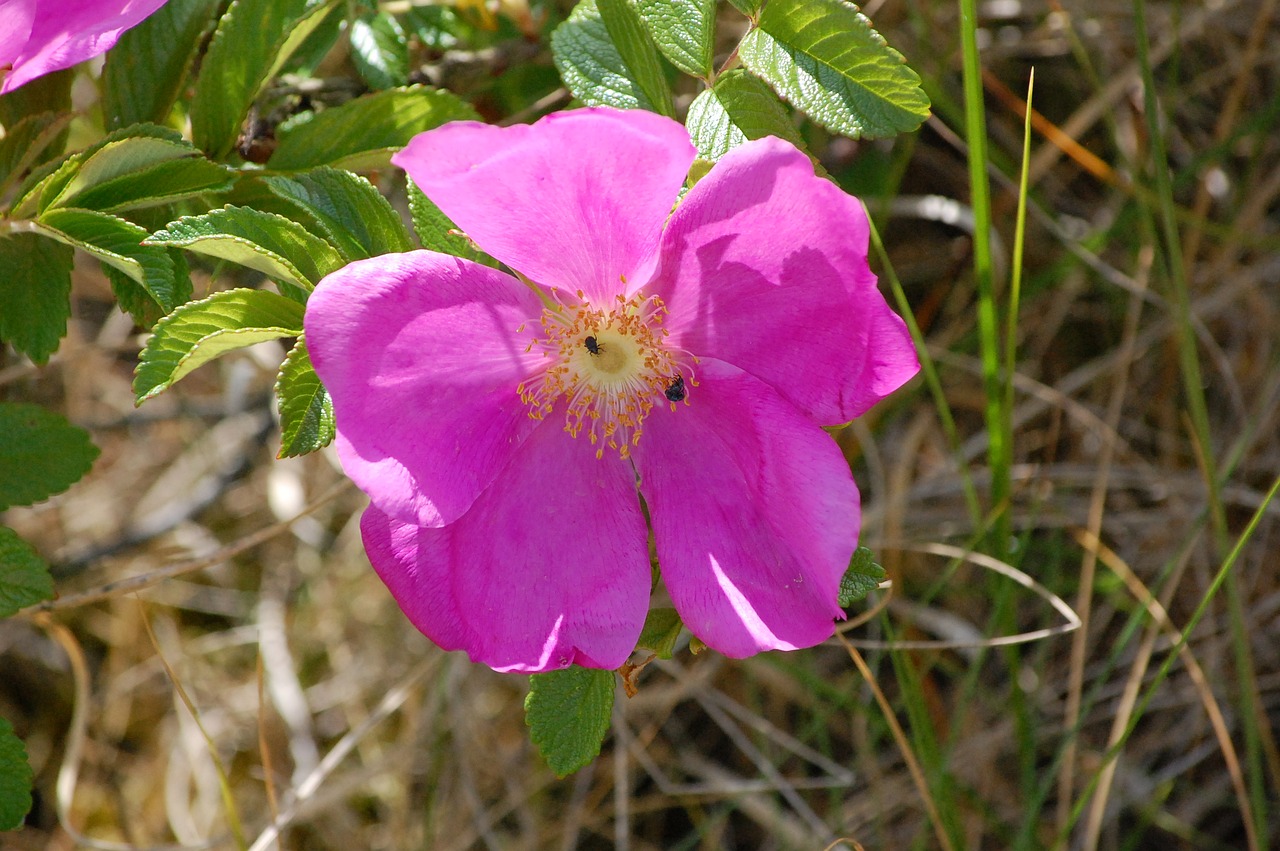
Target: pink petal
549	568
574	201
67	32
754	513
764	266
421	355
18	16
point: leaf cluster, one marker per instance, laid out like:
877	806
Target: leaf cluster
267	182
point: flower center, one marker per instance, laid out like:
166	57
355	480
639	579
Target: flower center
610	365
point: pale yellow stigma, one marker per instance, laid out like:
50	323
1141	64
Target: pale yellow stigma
611	366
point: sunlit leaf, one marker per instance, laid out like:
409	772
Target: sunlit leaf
823	57
253	40
278	247
591	65
306	412
118	243
146	69
363	133
684	31
200	331
568	715
355	217
861	578
738	108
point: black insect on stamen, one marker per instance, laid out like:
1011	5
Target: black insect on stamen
592	346
675	390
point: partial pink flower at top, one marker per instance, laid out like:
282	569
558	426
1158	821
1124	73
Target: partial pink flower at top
512	432
38	37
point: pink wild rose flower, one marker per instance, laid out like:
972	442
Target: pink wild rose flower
507	428
38	37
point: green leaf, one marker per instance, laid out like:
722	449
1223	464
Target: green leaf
50	93
747	7
306	412
145	71
279	248
362	134
138	171
662	628
380	50
15	779
684	31
118	243
638	52
24	580
823	57
738	108
134	300
254	38
568	715
437	232
47	183
35	293
353	215
24	142
199	331
41	454
592	66
861	578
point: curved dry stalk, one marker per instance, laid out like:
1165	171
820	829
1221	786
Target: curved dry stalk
1005	570
1162	622
904	746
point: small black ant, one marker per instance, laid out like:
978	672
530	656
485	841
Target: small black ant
592	346
676	391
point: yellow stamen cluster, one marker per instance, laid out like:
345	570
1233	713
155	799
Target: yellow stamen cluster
611	365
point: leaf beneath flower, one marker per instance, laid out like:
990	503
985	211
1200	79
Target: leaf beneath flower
568	715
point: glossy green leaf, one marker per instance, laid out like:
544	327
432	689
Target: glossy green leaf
15	779
592	66
35	292
45	184
823	57
140	171
306	412
362	134
146	69
117	243
163	183
437	232
639	54
41	454
254	38
661	630
278	247
133	298
24	579
24	142
380	50
568	715
684	31
861	578
199	331
354	216
738	108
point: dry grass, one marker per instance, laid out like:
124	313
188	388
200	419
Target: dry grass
327	709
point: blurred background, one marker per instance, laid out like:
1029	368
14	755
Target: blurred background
322	704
